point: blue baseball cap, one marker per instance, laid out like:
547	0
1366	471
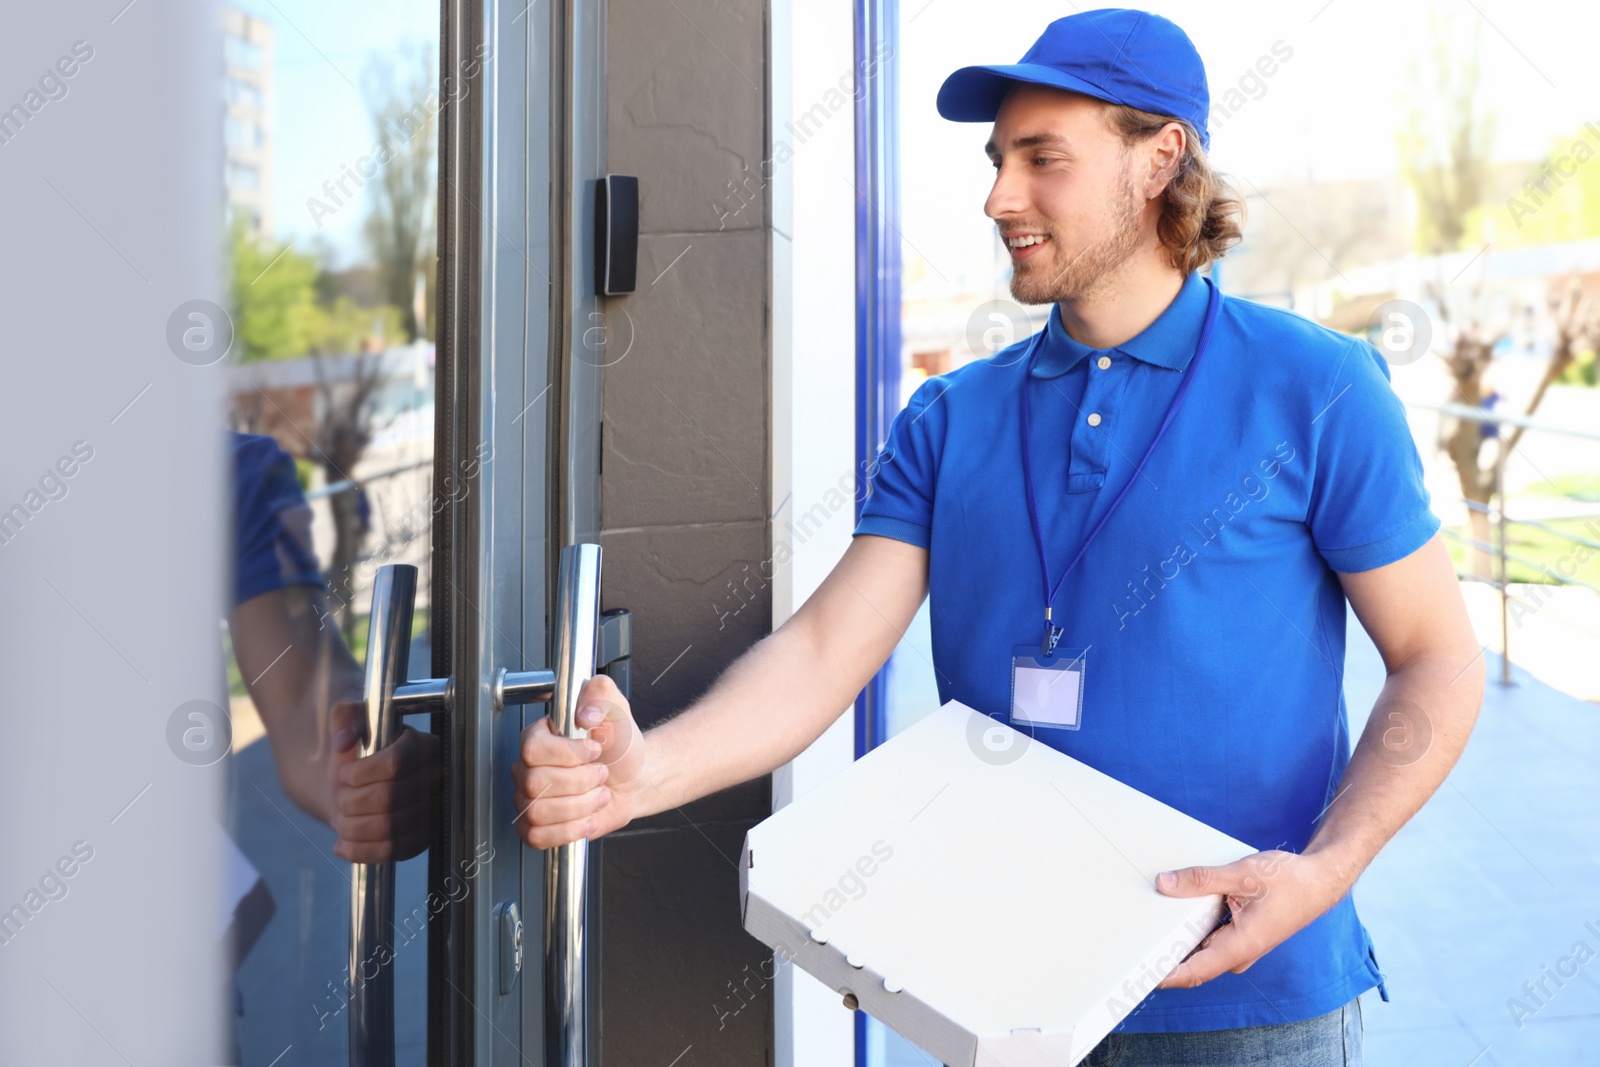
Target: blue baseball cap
1114	54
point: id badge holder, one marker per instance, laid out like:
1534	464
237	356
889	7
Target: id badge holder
1047	690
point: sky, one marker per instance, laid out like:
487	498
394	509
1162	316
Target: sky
1330	111
321	121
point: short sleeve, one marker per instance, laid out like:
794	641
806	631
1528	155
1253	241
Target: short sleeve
899	500
271	520
1368	504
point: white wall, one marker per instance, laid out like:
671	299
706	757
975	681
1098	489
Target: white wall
813	403
113	588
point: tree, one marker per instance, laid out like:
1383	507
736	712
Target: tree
400	220
1471	339
1447	138
277	312
277	315
346	327
1577	325
273	296
1445	147
344	430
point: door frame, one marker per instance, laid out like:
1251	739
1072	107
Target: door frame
878	311
516	472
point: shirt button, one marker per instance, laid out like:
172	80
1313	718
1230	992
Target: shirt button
1094	418
1103	362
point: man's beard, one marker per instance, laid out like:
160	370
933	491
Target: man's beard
1050	281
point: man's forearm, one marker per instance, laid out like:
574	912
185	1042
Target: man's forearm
296	668
765	709
1417	730
783	693
302	741
301	753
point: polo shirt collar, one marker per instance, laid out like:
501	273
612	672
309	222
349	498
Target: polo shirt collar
1167	342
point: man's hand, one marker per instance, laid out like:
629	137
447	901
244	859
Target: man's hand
568	789
1270	896
383	805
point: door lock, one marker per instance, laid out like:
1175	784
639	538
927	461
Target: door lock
510	945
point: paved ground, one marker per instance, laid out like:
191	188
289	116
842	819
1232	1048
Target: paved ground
1554	630
1492	885
293	980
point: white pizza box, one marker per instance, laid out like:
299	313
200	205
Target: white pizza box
986	896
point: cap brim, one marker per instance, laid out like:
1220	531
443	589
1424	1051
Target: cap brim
974	94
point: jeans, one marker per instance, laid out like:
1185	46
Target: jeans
1331	1040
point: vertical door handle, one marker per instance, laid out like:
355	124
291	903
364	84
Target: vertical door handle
394	593
574	647
388	696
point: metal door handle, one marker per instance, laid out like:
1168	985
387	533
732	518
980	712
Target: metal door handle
394	593
566	867
388	696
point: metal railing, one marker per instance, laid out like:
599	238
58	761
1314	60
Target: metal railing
1495	511
335	488
401	528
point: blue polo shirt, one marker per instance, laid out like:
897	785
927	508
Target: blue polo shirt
271	520
1209	603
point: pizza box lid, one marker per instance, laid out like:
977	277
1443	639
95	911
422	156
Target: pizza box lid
986	896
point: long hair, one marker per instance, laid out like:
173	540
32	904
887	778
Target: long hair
1202	212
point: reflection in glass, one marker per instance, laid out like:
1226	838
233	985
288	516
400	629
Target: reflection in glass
329	179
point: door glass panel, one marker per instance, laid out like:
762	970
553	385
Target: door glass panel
330	137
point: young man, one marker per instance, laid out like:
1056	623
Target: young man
1183	488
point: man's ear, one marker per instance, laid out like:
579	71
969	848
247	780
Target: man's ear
1166	155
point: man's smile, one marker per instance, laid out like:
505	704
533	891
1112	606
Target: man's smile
1025	245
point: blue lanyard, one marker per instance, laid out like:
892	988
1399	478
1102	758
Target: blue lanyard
1052	633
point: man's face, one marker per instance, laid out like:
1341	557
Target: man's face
1062	174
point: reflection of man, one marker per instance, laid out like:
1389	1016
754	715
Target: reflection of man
303	680
1180	490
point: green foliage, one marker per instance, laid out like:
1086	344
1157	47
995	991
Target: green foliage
276	312
1447	137
1560	201
1583	486
274	301
403	104
1582	371
1543	550
346	327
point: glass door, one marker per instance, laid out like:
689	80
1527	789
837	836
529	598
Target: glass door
446	584
330	135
